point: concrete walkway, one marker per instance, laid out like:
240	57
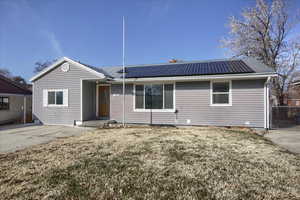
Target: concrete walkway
16	137
288	138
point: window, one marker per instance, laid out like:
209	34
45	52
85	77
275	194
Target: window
154	97
56	97
139	96
221	93
51	98
59	98
168	94
4	103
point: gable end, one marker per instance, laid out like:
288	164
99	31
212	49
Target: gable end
63	60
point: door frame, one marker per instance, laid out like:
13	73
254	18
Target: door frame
97	98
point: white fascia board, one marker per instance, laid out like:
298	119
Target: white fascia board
47	69
65	59
199	78
100	75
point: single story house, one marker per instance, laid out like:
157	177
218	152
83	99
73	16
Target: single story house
228	92
15	102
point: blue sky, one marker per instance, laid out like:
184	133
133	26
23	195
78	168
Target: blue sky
91	31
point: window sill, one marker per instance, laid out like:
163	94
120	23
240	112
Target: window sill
220	105
154	110
56	106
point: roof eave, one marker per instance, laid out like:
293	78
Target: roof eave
13	94
199	77
24	90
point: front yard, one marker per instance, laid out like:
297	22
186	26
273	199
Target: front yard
152	163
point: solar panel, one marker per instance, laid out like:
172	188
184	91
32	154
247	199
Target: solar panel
189	69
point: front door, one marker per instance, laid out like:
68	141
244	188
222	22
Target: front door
103	101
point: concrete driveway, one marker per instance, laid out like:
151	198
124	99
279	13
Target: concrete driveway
16	137
288	138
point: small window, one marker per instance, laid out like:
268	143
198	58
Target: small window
221	93
55	97
4	103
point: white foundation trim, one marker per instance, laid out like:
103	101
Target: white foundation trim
77	123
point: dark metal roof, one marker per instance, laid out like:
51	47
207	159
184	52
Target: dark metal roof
8	86
189	69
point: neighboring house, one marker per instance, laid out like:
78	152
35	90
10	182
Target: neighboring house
15	102
219	93
292	98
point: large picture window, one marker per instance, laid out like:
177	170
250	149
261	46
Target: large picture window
4	103
221	93
154	97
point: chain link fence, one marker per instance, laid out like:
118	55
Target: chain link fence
285	117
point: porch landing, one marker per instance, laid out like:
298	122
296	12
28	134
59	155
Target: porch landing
97	123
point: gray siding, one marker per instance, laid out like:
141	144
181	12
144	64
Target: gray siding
15	112
56	79
193	103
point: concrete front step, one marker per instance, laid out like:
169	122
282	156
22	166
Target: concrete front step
98	123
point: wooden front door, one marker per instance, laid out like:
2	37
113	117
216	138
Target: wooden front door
103	101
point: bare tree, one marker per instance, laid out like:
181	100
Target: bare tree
263	33
40	66
20	80
5	72
8	74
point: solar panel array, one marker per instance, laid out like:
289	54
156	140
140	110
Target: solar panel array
189	69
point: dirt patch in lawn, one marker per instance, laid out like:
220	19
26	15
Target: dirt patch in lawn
153	163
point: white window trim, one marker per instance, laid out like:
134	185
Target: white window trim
230	92
155	110
55	105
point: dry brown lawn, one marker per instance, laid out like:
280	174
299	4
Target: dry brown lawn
153	163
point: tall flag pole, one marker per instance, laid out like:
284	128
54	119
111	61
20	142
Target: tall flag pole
123	71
